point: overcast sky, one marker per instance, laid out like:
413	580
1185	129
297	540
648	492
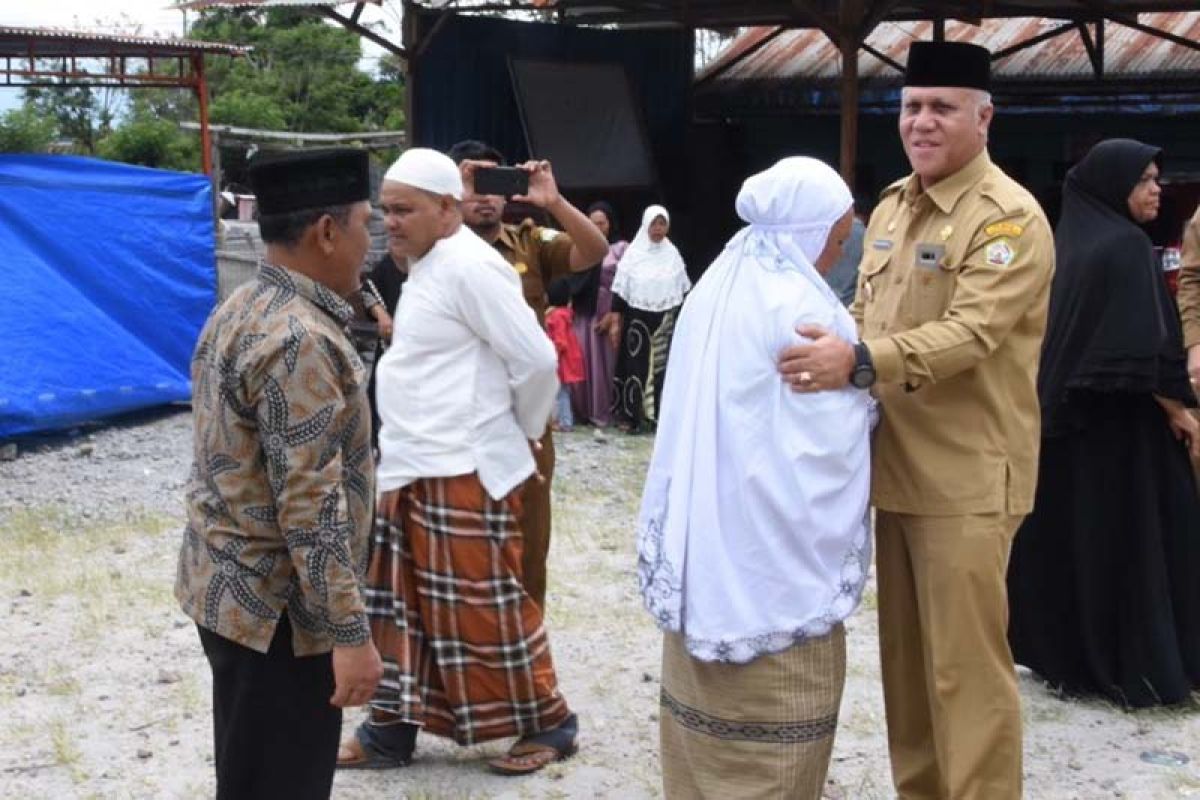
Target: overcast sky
155	18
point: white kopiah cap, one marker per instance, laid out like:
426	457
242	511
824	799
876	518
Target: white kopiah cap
427	169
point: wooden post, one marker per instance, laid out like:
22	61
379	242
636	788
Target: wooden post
201	84
849	39
849	97
216	175
408	40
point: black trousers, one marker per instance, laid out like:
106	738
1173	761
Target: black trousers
275	734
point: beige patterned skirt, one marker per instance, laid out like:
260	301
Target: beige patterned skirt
758	730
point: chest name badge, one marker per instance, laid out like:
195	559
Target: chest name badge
999	253
928	255
882	244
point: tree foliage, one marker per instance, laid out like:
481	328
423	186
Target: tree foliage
22	130
152	143
303	75
82	114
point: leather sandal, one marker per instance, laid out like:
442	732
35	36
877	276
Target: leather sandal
362	751
535	752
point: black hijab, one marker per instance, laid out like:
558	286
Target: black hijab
607	210
1112	324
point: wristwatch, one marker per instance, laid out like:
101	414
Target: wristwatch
863	374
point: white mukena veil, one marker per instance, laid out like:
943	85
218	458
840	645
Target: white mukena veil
754	533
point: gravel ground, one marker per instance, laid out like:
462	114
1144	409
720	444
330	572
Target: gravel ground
104	691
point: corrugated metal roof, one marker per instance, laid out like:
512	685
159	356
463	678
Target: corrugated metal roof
193	5
59	42
808	55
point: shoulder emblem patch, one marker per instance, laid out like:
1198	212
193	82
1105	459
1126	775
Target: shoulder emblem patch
1003	229
549	234
999	253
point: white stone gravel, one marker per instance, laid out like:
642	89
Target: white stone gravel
138	463
104	688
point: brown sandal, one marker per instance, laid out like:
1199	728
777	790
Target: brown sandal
526	758
532	753
360	752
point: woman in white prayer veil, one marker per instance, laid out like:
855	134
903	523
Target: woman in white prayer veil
753	536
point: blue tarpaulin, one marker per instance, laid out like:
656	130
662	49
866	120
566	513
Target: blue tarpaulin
108	274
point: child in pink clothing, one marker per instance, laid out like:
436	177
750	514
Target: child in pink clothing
559	320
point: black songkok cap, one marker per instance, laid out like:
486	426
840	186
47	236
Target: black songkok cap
959	64
296	180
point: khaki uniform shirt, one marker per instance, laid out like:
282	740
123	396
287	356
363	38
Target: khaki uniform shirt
1189	282
280	493
951	302
539	255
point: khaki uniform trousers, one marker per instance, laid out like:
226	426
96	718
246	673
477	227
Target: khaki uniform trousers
535	523
950	690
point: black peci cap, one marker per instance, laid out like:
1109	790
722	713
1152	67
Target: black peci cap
958	64
295	180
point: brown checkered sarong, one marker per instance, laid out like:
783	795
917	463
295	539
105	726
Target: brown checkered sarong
464	650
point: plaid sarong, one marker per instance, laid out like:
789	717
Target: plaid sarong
464	650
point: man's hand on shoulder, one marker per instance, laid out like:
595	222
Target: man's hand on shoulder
356	672
823	363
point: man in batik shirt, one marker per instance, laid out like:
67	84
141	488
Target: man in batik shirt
280	495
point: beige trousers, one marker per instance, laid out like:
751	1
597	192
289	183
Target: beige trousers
535	523
950	690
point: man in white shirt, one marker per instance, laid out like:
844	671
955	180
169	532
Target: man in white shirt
467	383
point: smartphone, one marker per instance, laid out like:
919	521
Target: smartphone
505	181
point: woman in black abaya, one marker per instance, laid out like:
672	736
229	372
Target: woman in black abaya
1104	582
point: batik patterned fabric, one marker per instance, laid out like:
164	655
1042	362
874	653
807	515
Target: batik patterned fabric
660	349
633	378
464	649
281	489
763	729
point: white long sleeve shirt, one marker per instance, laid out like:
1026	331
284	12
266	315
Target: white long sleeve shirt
470	376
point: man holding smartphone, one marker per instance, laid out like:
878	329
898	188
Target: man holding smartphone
539	255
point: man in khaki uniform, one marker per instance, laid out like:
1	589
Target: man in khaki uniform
539	255
1189	304
951	304
1189	295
